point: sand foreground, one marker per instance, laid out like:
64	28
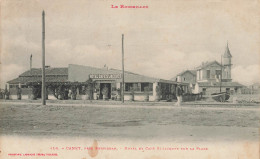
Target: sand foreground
57	131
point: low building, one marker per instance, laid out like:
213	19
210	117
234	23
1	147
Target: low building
187	76
112	78
33	78
252	89
61	83
207	88
255	88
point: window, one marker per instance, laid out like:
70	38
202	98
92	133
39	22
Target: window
128	86
204	91
208	73
24	86
143	85
138	87
149	85
218	74
82	90
183	78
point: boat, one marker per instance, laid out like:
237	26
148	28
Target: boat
221	96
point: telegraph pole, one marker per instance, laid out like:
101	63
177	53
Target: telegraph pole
123	71
31	62
221	75
43	59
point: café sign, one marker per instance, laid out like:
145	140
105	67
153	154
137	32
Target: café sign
105	76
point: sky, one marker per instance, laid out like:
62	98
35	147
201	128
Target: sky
160	41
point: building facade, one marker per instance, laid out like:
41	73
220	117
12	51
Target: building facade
209	72
187	76
211	77
85	82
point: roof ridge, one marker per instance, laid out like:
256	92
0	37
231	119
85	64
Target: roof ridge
47	68
85	66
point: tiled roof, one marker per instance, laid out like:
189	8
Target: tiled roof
139	78
191	71
81	73
38	79
179	74
217	84
35	75
48	71
78	73
113	69
134	77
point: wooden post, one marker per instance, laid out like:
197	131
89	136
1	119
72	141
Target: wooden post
43	59
123	71
31	62
221	76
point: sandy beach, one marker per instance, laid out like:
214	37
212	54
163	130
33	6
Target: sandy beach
133	122
155	128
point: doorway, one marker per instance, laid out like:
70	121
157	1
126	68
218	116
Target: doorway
38	91
204	91
103	85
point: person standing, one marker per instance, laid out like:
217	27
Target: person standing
179	95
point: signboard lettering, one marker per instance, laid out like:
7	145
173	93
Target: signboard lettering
105	76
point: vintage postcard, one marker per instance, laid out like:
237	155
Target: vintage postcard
143	79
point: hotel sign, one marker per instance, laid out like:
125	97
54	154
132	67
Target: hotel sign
105	76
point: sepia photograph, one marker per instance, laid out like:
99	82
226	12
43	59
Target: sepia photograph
143	79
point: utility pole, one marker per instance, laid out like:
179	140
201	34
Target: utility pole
123	71
43	59
31	62
221	76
